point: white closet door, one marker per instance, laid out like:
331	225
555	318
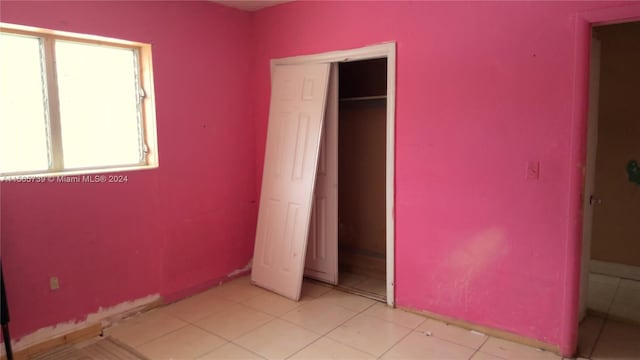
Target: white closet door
298	99
322	249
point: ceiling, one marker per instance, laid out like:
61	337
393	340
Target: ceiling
250	5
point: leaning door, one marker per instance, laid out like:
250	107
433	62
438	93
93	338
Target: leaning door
298	99
322	248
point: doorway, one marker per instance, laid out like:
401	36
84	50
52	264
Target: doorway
361	177
610	281
361	107
613	200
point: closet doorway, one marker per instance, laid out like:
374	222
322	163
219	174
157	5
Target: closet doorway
348	216
362	106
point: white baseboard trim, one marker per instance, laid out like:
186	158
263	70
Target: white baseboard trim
614	269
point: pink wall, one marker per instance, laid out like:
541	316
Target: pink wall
482	89
172	230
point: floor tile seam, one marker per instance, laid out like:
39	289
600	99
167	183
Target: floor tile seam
193	322
344	307
424	318
265	312
211	332
243	333
214	349
394	344
158	337
261	326
351	346
480	347
598	337
618	296
220	312
355	315
613	299
315	331
249	350
304	347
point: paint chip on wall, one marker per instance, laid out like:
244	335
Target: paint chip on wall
533	170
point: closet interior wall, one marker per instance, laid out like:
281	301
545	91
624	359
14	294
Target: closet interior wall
362	168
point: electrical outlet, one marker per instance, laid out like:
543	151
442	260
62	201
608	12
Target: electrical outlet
54	284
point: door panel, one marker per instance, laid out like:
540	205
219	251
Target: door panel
296	118
322	249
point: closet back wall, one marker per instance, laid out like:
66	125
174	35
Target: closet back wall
169	231
362	150
361	178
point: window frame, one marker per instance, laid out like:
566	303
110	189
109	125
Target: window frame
53	121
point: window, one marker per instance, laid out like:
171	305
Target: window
73	104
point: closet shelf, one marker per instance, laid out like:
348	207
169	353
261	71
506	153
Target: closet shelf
364	98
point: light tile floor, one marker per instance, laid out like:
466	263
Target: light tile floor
240	321
614	297
601	338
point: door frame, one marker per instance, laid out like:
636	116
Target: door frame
388	51
584	21
590	171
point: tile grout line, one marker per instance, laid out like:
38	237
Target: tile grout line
242	303
600	331
362	312
414	329
605	319
253	329
280	317
162	311
212	350
345	344
331	330
604	322
479	347
274	317
613	299
187	322
395	343
249	350
158	337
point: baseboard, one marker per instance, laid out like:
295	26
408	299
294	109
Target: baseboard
72	332
69	333
73	337
502	334
614	269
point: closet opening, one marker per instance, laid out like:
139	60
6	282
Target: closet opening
362	124
327	198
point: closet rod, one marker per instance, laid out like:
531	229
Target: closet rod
364	98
